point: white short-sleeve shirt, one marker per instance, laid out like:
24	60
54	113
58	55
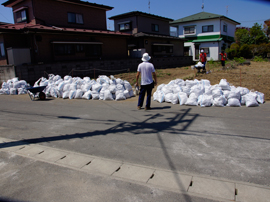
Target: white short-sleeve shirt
146	69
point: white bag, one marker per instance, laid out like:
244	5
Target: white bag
13	91
251	101
206	100
119	95
233	102
260	97
87	95
72	94
95	95
79	94
192	100
182	97
219	101
126	94
65	95
108	95
224	84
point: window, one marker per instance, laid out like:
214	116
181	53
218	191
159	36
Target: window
2	50
93	50
64	49
125	26
75	18
189	30
208	28
155	28
206	50
162	49
79	48
224	28
21	16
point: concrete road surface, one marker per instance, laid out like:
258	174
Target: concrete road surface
227	144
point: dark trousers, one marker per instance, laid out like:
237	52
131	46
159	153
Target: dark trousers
223	63
145	89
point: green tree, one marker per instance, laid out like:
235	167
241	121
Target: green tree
233	51
257	35
242	36
245	51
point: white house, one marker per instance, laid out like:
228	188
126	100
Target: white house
207	31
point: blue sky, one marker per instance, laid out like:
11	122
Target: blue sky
247	12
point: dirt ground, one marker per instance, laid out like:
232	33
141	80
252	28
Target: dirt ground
255	76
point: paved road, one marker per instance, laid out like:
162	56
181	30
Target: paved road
227	143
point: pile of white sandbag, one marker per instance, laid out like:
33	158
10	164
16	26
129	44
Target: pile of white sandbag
103	88
195	92
14	87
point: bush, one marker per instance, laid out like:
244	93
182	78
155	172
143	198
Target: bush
259	59
245	51
239	60
211	61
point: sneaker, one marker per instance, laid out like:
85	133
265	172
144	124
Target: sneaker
147	108
138	107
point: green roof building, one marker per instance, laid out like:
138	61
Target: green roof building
210	32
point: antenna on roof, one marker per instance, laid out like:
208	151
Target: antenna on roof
149	5
227	10
202	5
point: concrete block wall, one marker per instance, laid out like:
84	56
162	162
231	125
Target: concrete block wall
32	73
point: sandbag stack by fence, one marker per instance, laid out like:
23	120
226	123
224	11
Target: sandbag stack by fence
103	88
14	87
202	93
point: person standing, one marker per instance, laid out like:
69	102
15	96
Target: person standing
147	72
203	59
223	58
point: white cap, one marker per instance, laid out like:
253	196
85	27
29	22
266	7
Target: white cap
202	51
146	57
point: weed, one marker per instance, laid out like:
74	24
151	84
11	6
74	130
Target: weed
169	74
259	59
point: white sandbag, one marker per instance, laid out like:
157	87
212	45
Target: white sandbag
101	94
234	94
174	99
219	101
233	102
5	91
65	95
4	85
56	78
168	97
79	94
86	87
182	97
167	89
66	78
87	95
13	91
199	64
107	95
112	88
120	87
96	87
226	93
260	97
53	92
251	101
192	100
119	81
208	90
180	82
217	92
60	86
190	83
20	84
205	82
48	91
186	90
176	89
59	94
43	82
206	100
66	87
160	87
131	93
242	90
224	84
72	94
86	79
58	82
103	79
119	95
197	90
127	85
95	95
15	79
22	91
73	86
126	94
